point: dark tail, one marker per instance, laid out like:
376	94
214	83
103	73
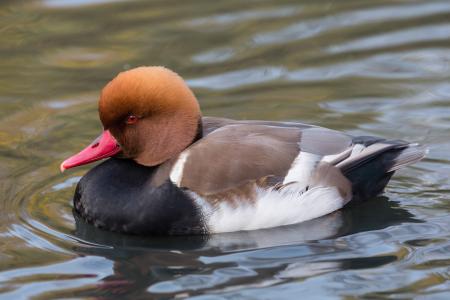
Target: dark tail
371	169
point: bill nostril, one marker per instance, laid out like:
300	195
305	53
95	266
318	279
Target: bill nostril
95	145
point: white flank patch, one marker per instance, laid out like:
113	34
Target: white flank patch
176	174
272	208
302	168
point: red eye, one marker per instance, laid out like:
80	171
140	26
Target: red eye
131	120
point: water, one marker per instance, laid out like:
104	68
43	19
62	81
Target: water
366	67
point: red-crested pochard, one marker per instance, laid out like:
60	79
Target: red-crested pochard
176	172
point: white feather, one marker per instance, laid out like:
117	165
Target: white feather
272	208
338	157
176	174
357	148
302	167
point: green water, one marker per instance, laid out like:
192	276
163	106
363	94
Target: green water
365	67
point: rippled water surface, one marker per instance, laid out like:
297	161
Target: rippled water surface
366	67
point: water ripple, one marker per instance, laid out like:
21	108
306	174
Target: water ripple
395	38
236	79
309	28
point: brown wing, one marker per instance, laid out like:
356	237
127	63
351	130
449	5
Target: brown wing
233	154
249	150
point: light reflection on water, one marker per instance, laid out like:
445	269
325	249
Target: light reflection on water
372	67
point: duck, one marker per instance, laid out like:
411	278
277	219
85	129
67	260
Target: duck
171	171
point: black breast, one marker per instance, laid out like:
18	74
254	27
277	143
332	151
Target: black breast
118	195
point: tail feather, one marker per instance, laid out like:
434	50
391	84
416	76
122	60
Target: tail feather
370	170
369	152
412	154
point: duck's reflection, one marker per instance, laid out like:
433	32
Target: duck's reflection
140	262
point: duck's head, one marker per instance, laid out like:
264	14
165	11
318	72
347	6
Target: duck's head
149	115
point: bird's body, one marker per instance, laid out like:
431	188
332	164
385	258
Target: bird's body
227	175
241	175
